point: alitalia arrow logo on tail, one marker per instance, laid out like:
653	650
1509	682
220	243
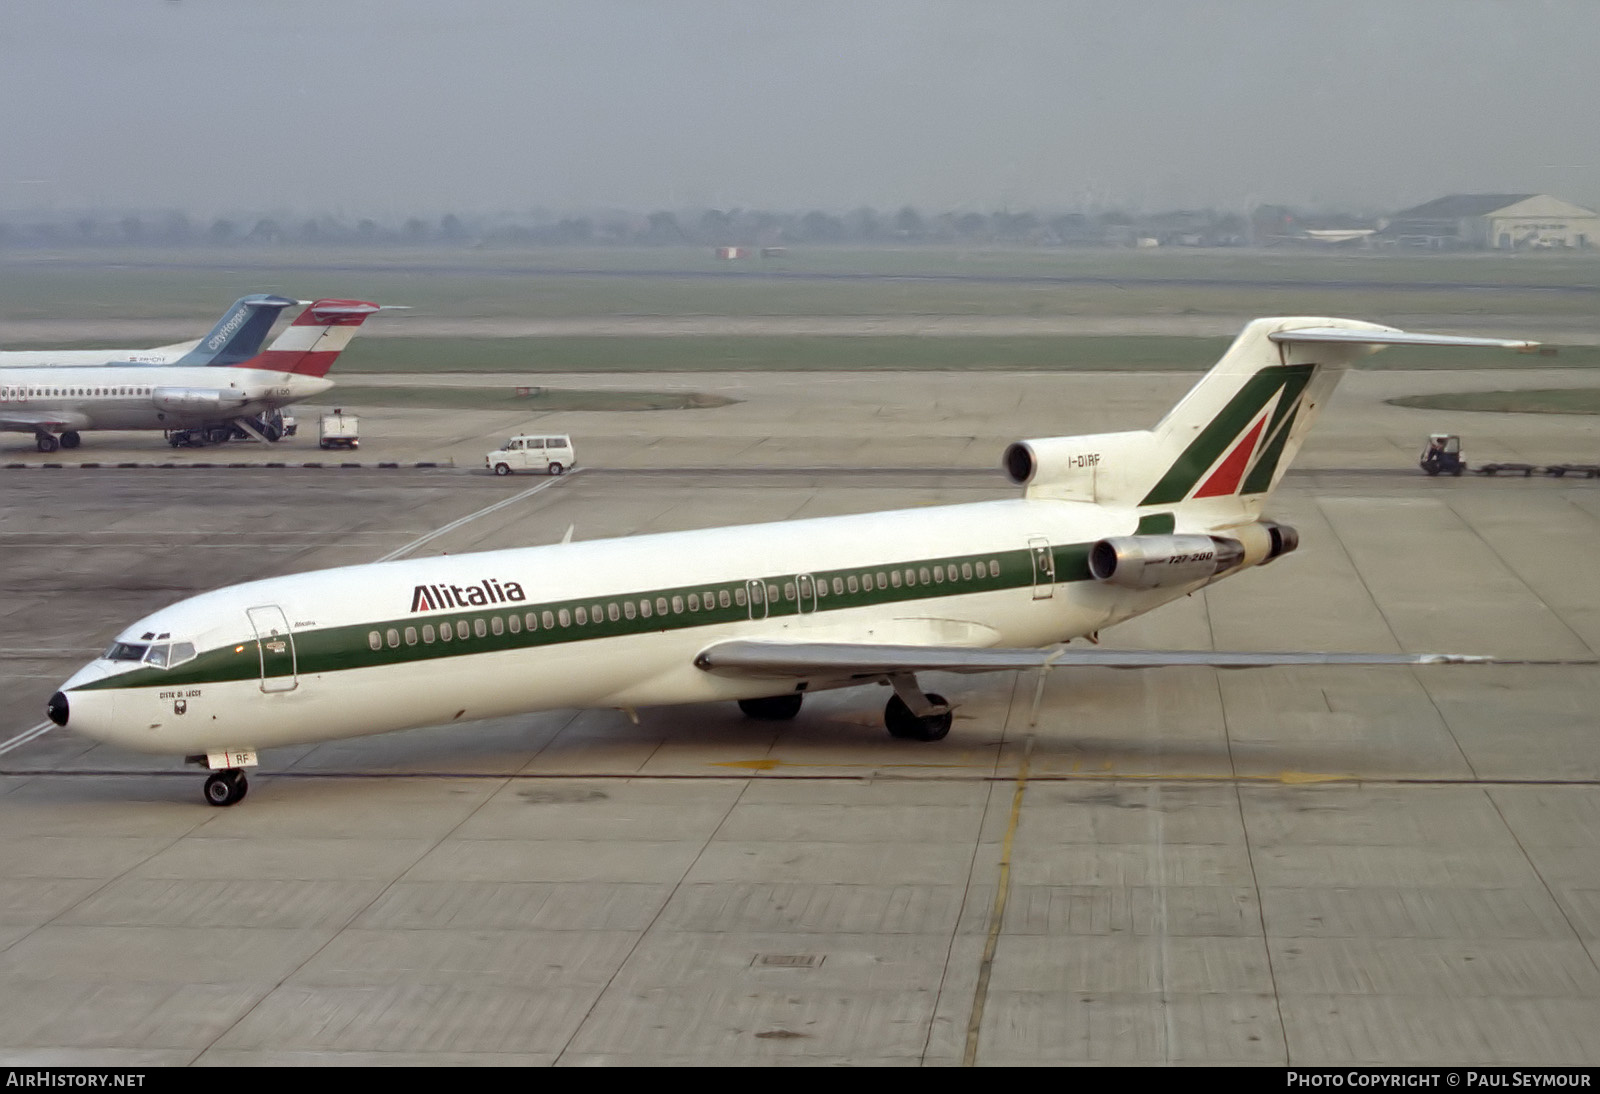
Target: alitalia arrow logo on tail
1239	450
1225	479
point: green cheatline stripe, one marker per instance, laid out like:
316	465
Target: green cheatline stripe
1204	450
336	649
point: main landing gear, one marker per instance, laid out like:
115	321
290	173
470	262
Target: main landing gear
778	708
46	443
910	714
227	787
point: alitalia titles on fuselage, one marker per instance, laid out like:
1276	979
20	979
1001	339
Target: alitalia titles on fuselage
432	598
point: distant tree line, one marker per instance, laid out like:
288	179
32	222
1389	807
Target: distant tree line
705	227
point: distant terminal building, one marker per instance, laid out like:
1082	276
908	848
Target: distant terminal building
1503	222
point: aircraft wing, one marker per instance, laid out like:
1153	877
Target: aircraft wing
849	659
31	421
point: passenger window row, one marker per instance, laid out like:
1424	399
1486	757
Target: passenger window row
550	619
646	607
71	392
908	577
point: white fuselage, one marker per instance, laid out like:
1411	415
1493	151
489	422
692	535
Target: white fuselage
359	650
147	396
90	358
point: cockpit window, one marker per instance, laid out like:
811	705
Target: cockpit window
158	655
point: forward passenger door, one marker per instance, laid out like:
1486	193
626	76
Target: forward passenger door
275	646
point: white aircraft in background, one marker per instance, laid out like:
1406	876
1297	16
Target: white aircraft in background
211	397
1109	526
237	336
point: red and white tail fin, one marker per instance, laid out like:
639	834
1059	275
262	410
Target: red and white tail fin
1226	444
310	344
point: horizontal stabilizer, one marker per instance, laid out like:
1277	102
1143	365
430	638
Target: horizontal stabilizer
326	310
1385	337
803	659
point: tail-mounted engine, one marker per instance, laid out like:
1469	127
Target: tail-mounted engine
1101	467
192	400
1281	539
1154	562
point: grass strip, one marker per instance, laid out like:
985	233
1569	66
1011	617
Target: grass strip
1558	400
887	353
507	398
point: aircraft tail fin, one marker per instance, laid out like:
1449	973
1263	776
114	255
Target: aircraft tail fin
1224	447
240	332
310	344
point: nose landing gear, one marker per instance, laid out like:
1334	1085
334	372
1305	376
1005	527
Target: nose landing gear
227	787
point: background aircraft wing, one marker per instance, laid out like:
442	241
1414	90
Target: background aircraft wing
849	659
32	421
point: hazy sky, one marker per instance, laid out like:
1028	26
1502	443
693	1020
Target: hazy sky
400	106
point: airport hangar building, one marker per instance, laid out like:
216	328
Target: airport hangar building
1504	222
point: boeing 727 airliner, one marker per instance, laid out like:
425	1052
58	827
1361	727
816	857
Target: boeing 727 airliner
1108	526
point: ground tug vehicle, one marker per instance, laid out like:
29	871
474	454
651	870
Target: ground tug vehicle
1443	455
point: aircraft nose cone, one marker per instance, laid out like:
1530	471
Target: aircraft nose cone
57	709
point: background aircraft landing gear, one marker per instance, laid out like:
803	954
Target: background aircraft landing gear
778	708
900	722
70	439
46	443
227	787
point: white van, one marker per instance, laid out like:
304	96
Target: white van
533	452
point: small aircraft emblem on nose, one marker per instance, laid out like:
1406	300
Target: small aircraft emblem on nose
180	706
